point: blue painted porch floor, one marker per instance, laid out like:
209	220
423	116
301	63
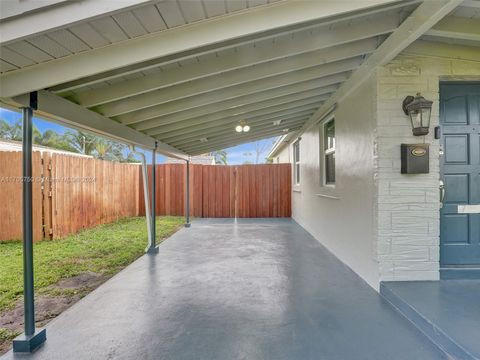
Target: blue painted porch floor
226	289
447	310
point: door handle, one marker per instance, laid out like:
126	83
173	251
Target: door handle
442	193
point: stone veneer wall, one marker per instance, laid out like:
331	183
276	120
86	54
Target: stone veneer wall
407	206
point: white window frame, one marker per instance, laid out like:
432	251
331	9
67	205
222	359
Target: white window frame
324	152
296	163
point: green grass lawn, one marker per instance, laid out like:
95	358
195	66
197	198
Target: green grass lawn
105	250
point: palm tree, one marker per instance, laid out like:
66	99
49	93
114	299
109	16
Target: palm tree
220	157
102	148
54	140
83	142
14	131
11	131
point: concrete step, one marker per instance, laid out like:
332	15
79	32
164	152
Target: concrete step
436	333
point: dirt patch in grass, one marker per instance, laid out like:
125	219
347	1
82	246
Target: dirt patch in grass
52	302
88	279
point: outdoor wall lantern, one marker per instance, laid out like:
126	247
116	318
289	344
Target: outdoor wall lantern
419	110
242	127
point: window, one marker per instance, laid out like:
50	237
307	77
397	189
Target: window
329	152
296	162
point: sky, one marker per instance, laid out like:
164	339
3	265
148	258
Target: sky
240	154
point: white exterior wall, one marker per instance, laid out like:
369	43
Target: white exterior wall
283	157
384	225
342	218
408	205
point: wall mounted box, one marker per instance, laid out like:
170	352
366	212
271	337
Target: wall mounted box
415	158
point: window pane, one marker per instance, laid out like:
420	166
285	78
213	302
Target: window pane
297	151
330	168
297	173
329	135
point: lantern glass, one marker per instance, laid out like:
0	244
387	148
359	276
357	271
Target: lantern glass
419	110
246	128
239	128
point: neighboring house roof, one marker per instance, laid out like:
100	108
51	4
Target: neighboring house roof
12	145
199	159
280	144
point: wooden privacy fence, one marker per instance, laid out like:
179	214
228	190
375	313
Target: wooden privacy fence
71	193
223	190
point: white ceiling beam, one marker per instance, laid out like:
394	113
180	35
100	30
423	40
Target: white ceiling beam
317	72
174	41
420	21
229	129
245	56
242	138
54	107
454	27
230	133
471	3
21	19
385	10
306	89
295	105
329	74
264	114
443	50
303	90
218	100
199	132
283	66
211	114
11	8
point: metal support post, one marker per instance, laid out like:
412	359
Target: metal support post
32	338
187	195
153	249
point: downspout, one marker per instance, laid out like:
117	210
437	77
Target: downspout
145	194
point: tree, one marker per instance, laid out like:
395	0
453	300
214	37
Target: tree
261	147
54	140
72	140
82	142
11	131
14	131
102	148
220	157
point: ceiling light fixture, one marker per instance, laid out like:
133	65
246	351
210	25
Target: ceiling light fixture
242	127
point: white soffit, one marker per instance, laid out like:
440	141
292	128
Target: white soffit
187	81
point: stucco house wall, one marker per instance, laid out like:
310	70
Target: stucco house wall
342	218
384	225
283	156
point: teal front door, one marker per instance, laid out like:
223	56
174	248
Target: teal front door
460	172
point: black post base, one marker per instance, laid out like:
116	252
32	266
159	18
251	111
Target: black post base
28	344
187	225
152	250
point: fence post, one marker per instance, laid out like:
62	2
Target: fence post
187	194
32	338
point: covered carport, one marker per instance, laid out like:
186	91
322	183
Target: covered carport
226	289
177	77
